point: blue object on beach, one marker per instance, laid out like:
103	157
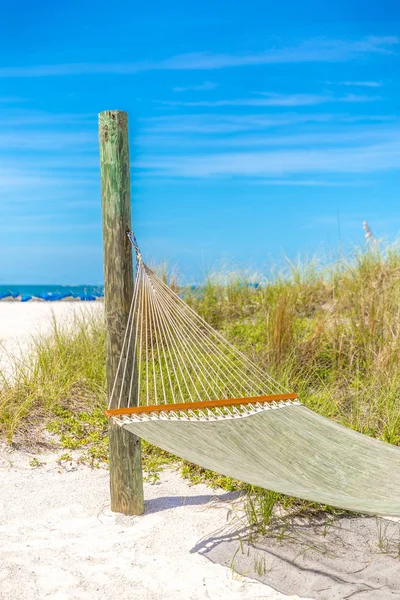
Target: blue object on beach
26	298
52	293
53	296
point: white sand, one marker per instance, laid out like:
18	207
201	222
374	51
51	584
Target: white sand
59	539
19	321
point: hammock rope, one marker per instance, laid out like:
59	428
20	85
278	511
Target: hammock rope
185	388
176	356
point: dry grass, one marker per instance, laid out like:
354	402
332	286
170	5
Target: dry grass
330	333
64	371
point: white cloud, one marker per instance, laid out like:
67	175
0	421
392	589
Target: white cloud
319	50
37	140
14	179
52	163
368	84
353	221
202	87
355	98
366	159
214	123
307	182
272	99
38	226
350	135
18	118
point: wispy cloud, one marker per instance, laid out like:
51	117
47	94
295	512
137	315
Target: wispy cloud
352	221
339	136
14	179
210	124
272	99
307	182
12	227
38	140
368	84
203	87
319	50
355	98
10	117
363	159
52	163
35	223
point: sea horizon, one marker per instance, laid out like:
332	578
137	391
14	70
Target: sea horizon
50	292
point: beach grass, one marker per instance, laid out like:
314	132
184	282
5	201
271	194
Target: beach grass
330	332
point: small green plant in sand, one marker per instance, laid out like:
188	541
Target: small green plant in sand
388	537
35	462
329	332
260	565
65	457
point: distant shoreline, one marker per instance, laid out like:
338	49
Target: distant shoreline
34	299
50	293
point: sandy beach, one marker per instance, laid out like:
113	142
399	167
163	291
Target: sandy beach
223	178
19	322
59	539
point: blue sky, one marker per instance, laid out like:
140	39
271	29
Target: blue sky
257	129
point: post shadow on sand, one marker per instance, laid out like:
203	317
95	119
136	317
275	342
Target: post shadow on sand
354	556
161	503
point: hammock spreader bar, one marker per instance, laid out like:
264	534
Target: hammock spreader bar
252	428
117	412
172	357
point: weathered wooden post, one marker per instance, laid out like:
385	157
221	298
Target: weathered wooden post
126	480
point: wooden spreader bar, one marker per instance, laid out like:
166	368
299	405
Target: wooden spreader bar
117	412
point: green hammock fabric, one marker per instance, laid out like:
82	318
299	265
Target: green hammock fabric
291	450
171	355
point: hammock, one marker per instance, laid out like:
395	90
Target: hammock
195	395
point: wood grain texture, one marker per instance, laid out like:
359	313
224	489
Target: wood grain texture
118	270
126	480
125	456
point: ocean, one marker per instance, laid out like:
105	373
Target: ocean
25	293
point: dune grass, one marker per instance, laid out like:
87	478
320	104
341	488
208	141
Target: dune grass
329	332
